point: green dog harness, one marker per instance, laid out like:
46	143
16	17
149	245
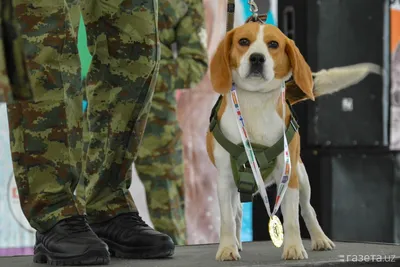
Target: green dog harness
265	156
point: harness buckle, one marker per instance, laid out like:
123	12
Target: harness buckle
247	164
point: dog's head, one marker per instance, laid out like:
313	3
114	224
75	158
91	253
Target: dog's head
257	58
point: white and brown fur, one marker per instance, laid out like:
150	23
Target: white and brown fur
259	98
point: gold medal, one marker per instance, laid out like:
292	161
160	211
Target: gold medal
275	231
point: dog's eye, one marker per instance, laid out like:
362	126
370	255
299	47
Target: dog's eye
273	45
244	42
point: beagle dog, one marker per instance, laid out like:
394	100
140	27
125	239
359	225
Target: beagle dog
257	58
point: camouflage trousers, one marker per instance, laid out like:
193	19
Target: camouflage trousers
53	143
160	167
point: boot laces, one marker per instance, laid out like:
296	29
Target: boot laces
76	224
134	217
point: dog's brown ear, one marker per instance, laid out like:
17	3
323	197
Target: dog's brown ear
293	93
301	71
220	69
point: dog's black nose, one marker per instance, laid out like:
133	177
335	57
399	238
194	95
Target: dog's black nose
257	59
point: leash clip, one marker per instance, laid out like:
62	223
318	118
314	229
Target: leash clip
253	9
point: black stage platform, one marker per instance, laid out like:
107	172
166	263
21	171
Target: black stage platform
258	254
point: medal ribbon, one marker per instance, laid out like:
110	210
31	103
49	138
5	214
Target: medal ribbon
281	189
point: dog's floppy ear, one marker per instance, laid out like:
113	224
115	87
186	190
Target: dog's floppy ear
301	71
220	69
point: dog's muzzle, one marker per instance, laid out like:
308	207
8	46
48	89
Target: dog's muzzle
257	61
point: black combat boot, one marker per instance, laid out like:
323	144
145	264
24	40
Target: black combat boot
70	242
128	236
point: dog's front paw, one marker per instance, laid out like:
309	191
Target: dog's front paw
322	243
294	251
239	244
227	253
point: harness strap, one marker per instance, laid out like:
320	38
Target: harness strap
266	156
237	151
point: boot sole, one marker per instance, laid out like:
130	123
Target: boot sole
155	252
91	257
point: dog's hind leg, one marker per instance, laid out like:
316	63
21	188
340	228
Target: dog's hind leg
318	238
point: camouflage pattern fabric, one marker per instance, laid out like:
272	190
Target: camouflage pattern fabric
160	161
54	145
13	72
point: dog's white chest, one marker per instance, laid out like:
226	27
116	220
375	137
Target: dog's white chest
263	124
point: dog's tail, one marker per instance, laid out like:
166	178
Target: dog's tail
332	80
335	79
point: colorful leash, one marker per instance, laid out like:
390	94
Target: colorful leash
274	225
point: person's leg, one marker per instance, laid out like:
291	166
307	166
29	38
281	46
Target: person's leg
116	97
43	152
160	167
123	40
38	130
